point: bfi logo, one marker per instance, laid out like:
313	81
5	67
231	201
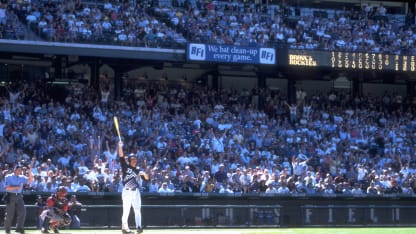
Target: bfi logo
267	56
197	52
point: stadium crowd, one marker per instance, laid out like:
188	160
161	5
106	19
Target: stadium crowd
167	24
200	140
193	139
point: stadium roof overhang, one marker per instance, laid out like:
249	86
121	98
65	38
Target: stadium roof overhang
39	48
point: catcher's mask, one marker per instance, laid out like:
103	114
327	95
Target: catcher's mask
62	191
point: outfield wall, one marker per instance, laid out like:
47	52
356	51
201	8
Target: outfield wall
245	210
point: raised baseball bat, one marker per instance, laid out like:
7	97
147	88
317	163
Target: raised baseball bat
117	127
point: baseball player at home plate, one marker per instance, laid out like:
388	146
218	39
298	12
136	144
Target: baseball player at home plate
132	178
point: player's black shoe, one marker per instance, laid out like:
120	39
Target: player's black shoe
20	230
139	230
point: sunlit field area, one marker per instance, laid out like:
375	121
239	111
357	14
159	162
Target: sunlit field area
343	230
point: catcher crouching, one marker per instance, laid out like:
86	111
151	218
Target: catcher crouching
56	215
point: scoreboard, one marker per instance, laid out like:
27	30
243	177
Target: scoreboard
352	60
284	56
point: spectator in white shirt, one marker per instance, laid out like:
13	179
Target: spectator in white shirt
164	188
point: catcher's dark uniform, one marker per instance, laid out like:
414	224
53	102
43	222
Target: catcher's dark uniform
56	215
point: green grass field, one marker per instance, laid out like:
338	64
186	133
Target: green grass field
378	230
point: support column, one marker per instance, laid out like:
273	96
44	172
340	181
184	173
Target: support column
95	74
118	84
261	84
410	88
291	91
215	80
261	80
411	10
357	85
57	66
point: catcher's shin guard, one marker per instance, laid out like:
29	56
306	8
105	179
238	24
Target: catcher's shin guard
46	223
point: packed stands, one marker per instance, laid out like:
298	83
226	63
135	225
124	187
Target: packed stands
171	24
199	140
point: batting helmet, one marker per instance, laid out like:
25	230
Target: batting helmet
131	157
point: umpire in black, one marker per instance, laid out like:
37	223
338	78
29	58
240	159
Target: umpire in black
15	205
